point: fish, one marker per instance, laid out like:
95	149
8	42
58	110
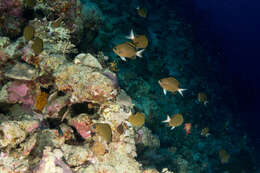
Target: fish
127	50
140	41
205	132
141	11
170	84
224	156
137	120
187	127
202	98
175	121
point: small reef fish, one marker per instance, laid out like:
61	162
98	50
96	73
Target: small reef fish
202	98
137	120
140	41
141	11
224	156
170	84
127	50
205	132
187	127
175	121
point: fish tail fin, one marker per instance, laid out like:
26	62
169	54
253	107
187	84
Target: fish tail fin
181	90
139	53
131	36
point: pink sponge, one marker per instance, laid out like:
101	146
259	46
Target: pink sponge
19	92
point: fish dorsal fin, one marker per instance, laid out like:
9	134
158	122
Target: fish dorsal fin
131	36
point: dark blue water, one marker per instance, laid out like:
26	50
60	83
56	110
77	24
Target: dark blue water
230	30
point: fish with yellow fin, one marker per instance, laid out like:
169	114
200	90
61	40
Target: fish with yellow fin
137	120
127	50
202	98
141	11
175	121
130	49
170	84
140	41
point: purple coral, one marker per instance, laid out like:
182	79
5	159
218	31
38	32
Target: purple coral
11	17
19	92
11	7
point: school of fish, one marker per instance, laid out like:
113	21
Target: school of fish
134	48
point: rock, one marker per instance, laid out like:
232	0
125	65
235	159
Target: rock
88	60
84	84
22	71
52	162
76	155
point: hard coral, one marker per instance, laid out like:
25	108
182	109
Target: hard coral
52	162
88	85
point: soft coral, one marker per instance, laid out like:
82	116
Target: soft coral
11	18
11	7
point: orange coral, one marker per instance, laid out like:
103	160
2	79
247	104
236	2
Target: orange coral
41	101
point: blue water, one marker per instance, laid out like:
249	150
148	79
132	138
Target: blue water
232	28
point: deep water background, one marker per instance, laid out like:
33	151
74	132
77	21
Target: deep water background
230	30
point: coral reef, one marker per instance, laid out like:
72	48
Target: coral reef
69	104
